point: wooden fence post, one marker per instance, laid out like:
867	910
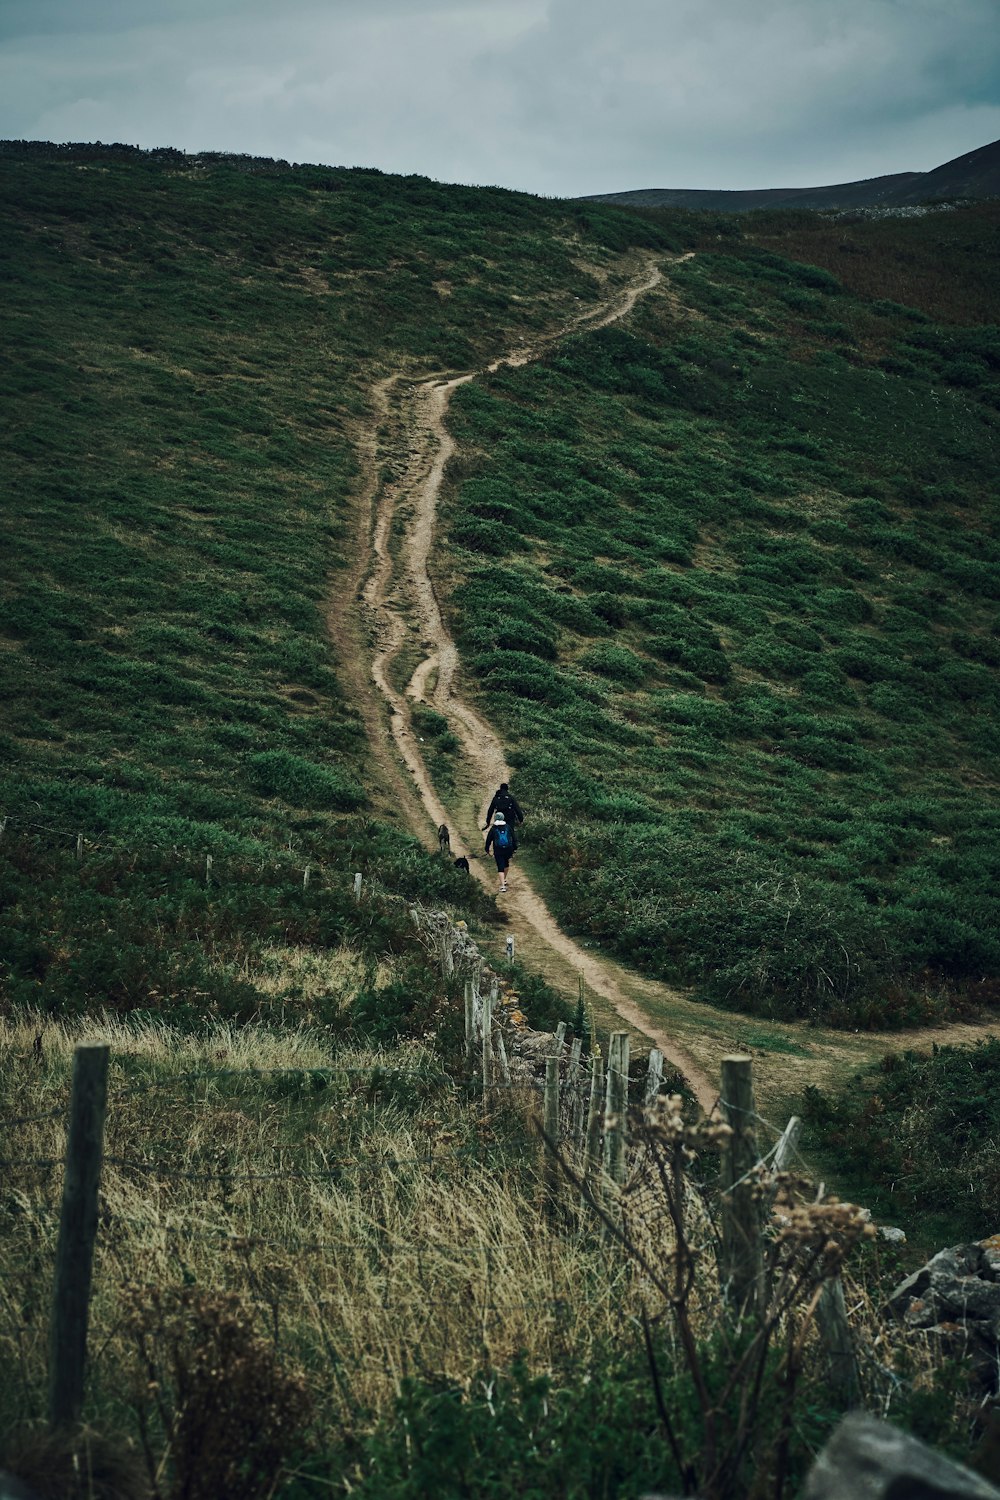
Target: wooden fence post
595	1118
470	1027
831	1310
502	1055
357	886
305	878
487	1043
654	1078
559	1039
551	1124
574	1092
742	1252
616	1105
835	1335
77	1233
787	1144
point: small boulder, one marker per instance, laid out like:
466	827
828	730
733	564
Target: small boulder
957	1293
912	1286
866	1459
991	1256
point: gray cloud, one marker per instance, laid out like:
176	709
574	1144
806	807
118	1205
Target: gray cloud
555	96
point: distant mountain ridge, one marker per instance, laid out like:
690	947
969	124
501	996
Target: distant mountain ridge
974	175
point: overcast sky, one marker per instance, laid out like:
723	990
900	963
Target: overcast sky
561	97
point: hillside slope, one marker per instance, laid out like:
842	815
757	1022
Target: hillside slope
711	571
729	580
192	342
712	520
976	174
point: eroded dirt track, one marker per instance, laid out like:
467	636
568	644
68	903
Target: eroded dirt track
401	619
396	651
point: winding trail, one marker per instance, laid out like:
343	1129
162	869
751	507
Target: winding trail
395	651
400	614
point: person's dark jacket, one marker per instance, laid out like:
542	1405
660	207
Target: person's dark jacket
506	803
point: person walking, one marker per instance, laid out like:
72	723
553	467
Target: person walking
503	841
504	802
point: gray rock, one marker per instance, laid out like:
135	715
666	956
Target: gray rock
966	1297
870	1460
960	1284
991	1257
920	1312
912	1286
956	1261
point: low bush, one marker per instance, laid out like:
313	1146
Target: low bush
919	1134
568	1436
302	783
617	663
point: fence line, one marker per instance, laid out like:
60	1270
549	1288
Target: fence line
596	1138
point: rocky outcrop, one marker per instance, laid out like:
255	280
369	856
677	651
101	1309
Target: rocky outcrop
955	1300
866	1459
871	1460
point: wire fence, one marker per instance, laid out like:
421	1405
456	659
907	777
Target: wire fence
236	1189
238	1192
303	869
105	839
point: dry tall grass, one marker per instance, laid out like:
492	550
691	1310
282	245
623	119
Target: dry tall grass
286	1233
374	1221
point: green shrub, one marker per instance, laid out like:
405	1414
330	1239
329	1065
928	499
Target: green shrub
510	633
568	1435
617	663
302	783
407	1007
920	1133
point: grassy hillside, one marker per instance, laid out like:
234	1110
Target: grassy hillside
941	265
728	579
189	347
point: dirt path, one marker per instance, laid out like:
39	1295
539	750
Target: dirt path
399	613
403	650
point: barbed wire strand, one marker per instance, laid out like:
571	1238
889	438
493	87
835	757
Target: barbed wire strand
52	1114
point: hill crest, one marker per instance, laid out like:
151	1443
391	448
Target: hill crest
976	174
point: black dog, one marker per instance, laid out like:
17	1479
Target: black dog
444	839
462	863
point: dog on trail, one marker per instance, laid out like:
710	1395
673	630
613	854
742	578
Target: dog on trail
462	863
444	839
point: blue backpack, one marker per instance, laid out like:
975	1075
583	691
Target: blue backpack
502	838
